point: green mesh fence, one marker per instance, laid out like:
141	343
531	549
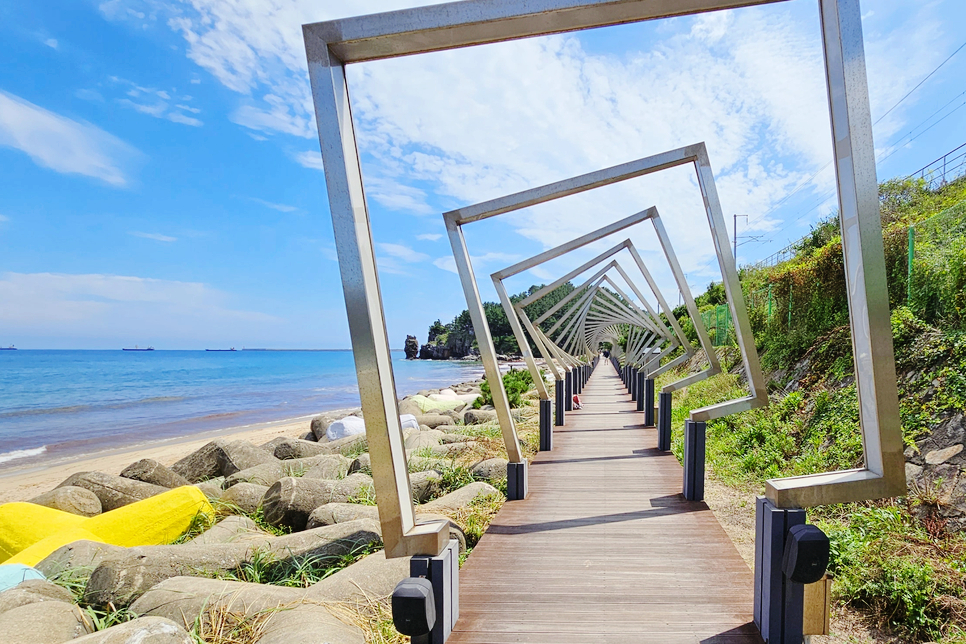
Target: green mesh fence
936	288
718	322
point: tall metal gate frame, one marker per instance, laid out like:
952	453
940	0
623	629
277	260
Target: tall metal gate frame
332	45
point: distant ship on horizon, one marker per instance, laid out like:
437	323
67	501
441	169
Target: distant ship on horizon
137	348
232	349
10	348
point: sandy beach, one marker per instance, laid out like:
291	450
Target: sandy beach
23	483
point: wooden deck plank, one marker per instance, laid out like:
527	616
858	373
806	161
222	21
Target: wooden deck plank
605	549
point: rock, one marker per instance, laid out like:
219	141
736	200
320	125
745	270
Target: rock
408	406
371	576
290	501
113	491
491	470
479	417
233	529
454	449
122	578
361	464
76	560
235	456
33	591
940	456
47	622
308	436
220	458
76	500
333	513
150	471
289	448
185	598
447	439
275	442
425	485
212	489
201	464
348	426
247	497
345	445
329	466
913	472
411	347
264	474
460	498
143	630
420	440
321	423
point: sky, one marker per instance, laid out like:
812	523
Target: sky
161	181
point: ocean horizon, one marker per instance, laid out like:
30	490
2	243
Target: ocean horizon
60	403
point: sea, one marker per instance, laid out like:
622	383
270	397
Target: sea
56	404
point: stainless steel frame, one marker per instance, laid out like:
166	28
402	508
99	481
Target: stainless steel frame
331	45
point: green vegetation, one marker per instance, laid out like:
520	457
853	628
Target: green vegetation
516	382
458	336
264	567
894	560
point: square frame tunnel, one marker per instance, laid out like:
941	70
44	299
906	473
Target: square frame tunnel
332	45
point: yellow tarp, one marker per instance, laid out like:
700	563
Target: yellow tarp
29	533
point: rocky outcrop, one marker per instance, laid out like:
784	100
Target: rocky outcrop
290	501
46	622
411	347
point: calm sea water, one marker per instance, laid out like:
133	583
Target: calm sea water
55	403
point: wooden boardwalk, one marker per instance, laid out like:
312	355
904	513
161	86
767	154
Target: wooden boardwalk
605	549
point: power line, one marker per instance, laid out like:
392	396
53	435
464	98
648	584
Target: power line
928	76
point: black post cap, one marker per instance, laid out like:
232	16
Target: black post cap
806	554
414	606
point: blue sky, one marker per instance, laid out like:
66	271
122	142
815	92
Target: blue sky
161	177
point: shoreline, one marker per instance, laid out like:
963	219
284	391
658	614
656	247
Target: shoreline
31	479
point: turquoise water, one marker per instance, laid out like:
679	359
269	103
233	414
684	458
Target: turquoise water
55	403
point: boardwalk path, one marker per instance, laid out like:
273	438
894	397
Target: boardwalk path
605	549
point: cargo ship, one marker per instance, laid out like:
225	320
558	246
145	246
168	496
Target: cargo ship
10	348
137	348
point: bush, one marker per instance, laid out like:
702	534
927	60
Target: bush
516	382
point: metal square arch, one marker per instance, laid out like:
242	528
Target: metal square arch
332	45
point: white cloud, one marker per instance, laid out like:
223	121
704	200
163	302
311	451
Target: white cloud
310	159
51	42
275	206
447	263
160	103
155	236
472	124
62	144
403	252
117	307
429	236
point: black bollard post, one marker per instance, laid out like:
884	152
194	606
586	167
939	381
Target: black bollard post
649	402
779	601
546	426
694	447
558	412
639	388
664	421
569	389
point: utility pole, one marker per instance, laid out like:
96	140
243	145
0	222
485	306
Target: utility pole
736	237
